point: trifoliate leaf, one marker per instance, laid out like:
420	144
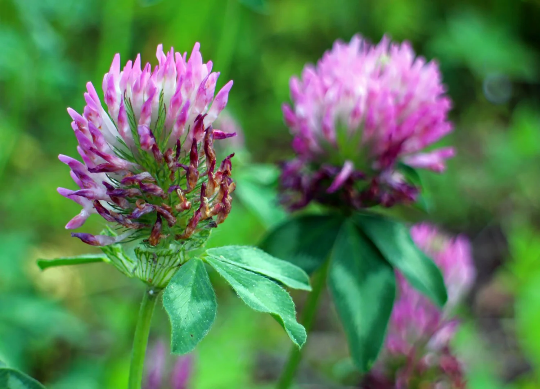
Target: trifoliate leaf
256	260
190	302
394	241
263	295
363	287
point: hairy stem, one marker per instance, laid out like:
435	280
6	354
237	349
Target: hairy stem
308	315
140	340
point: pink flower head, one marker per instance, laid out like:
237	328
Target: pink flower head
356	115
148	162
418	330
158	368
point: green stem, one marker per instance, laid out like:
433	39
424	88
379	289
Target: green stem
308	315
81	260
141	337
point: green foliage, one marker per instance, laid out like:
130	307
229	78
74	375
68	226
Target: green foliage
190	301
256	5
305	241
256	189
484	47
527	319
13	379
363	286
394	241
363	249
263	295
256	260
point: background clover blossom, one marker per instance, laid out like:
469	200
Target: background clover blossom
356	115
417	346
149	165
157	369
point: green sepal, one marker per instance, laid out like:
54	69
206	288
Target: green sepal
190	302
263	295
393	239
119	258
256	260
363	287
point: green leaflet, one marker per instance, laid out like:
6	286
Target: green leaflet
256	260
363	287
304	241
14	379
263	295
77	260
394	241
190	302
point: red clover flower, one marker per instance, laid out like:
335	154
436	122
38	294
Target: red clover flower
356	116
148	163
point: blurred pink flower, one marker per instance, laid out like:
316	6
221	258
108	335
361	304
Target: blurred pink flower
149	165
157	368
419	333
357	114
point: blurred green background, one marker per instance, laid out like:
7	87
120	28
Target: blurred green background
72	327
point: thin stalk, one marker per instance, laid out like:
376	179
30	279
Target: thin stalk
308	315
80	260
140	340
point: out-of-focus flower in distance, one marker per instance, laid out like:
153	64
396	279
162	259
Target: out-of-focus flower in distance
149	165
158	369
356	116
417	350
181	372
